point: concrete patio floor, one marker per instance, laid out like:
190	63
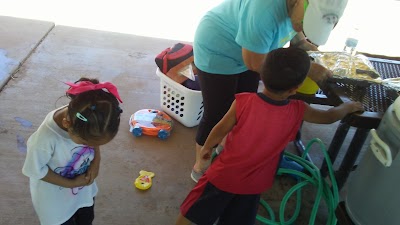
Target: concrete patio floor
41	56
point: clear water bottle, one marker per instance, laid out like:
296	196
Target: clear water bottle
351	43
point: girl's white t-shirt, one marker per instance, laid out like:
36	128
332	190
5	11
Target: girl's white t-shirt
50	147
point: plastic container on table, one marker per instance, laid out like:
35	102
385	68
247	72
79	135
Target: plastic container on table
308	87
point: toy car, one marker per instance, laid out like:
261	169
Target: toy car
150	122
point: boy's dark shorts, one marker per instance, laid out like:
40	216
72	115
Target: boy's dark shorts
206	203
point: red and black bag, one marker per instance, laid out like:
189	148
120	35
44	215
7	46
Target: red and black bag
172	60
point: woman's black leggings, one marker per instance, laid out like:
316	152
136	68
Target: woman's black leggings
218	94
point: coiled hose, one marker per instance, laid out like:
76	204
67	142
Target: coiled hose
312	176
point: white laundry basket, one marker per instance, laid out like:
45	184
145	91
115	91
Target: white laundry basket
180	102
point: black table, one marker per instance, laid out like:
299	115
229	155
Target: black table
375	98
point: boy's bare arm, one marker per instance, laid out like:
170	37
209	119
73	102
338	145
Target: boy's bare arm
223	127
331	115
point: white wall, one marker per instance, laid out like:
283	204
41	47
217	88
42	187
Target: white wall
177	19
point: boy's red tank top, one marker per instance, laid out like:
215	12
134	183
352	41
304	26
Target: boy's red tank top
252	151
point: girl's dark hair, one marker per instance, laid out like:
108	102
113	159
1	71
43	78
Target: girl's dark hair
285	68
100	109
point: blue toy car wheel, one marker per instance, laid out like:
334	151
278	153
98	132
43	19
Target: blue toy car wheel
163	134
137	131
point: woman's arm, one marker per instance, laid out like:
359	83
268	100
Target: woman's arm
300	41
319	73
252	60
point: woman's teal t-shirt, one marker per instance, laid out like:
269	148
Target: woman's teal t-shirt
257	25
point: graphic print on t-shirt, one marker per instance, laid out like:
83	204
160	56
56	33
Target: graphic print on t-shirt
79	163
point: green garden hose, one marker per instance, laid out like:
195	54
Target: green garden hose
329	192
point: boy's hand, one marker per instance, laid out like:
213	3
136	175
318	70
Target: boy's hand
352	106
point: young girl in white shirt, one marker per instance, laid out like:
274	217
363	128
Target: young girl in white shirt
63	155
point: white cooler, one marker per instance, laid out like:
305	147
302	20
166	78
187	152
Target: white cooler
373	196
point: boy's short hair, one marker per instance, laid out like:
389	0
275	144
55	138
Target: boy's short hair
285	68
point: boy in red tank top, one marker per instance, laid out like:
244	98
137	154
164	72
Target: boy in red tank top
259	126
